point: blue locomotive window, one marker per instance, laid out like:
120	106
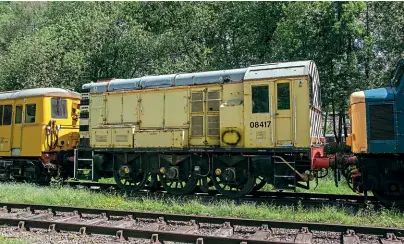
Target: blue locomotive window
7	114
59	108
30	112
283	96
18	114
260	99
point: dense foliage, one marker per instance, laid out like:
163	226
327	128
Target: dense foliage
66	44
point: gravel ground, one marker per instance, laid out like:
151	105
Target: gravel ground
40	236
43	237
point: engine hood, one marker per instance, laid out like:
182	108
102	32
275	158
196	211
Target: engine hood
379	94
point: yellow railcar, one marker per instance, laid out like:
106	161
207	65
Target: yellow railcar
36	125
231	126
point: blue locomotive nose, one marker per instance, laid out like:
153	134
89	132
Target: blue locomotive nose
379	94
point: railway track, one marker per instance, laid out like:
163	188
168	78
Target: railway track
289	198
156	227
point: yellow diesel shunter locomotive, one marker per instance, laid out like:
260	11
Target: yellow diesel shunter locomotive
236	129
38	127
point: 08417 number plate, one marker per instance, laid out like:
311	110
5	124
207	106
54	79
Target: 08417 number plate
260	124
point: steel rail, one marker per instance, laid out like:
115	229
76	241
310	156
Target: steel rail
155	236
207	219
261	235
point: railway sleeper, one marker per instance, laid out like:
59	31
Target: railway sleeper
350	237
98	220
226	230
304	236
191	227
263	233
390	239
158	225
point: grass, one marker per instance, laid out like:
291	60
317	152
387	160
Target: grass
12	240
325	185
12	192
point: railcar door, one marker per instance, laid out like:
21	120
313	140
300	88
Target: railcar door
17	130
257	111
283	113
5	127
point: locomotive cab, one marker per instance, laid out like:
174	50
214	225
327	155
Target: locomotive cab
36	126
377	123
377	139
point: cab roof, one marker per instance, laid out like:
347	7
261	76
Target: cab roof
39	92
253	72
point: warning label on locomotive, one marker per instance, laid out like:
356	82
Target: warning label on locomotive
260	135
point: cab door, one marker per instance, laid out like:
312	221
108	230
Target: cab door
17	130
257	111
6	112
283	113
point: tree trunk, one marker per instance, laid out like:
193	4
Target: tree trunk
333	121
325	121
367	61
340	127
345	127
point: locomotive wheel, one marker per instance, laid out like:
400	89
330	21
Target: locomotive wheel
234	190
260	183
130	180
389	200
233	182
204	187
184	184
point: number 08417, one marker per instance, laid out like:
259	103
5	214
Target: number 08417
260	124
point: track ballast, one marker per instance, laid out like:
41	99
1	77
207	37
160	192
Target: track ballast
158	227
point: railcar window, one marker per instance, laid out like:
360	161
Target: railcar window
8	113
260	99
213	101
213	125
197	126
1	114
197	102
18	114
59	108
283	96
30	113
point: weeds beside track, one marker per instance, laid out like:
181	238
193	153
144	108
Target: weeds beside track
280	198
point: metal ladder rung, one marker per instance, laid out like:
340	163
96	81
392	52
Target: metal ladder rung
284	176
284	180
286	188
77	159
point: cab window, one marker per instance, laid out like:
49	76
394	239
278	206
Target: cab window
7	114
283	96
18	114
59	108
260	99
30	112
